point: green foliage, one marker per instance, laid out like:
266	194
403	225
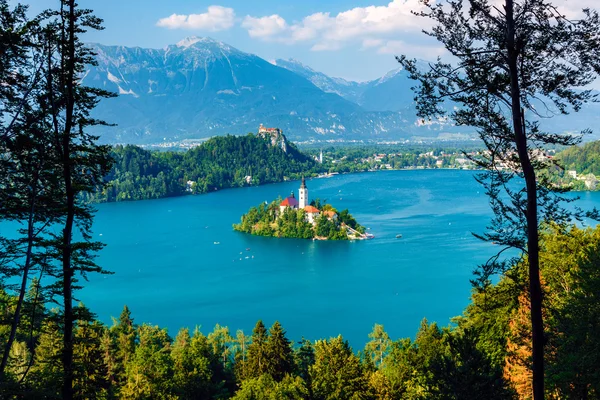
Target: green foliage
337	372
192	366
279	353
293	224
583	159
91	380
379	346
226	162
267	388
467	360
219	163
256	360
149	371
268	220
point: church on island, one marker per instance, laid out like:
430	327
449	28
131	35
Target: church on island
295	217
302	204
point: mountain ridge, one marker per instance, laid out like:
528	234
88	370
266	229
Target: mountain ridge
201	87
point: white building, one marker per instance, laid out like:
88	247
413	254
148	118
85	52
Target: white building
303	195
311	213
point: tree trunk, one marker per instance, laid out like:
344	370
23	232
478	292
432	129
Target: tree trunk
67	355
535	290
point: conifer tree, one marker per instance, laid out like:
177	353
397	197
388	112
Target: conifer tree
81	162
46	374
28	190
192	374
337	372
90	378
257	359
150	371
304	357
280	356
517	63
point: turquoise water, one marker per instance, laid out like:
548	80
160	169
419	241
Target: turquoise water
170	272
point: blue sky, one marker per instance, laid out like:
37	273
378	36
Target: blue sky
352	39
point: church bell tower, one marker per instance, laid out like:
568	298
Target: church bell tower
303	195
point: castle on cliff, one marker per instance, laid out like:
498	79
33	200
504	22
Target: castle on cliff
275	135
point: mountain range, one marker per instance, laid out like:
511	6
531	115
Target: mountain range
201	87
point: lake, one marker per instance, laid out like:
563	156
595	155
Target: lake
177	262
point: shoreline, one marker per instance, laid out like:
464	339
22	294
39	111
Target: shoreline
291	180
316	177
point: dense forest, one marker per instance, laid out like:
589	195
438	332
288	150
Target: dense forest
236	161
267	220
577	168
219	163
483	354
531	330
583	159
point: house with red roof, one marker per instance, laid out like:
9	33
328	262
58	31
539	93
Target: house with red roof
311	213
290	202
330	214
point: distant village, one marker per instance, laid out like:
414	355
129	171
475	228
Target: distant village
388	160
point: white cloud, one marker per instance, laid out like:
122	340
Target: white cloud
266	28
396	47
369	27
370	43
216	18
573	8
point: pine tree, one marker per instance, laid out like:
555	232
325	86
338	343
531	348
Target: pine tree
304	358
80	163
279	352
46	373
192	374
90	378
27	179
515	64
149	372
257	359
337	372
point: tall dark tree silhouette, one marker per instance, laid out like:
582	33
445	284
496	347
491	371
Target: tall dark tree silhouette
81	162
517	62
28	190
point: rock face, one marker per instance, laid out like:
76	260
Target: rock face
275	136
201	87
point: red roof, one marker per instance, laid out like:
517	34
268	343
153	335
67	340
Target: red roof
289	202
329	214
311	209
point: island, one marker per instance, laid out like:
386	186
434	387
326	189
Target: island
297	218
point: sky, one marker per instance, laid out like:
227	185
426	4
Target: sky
351	39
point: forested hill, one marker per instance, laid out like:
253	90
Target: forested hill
584	159
221	162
